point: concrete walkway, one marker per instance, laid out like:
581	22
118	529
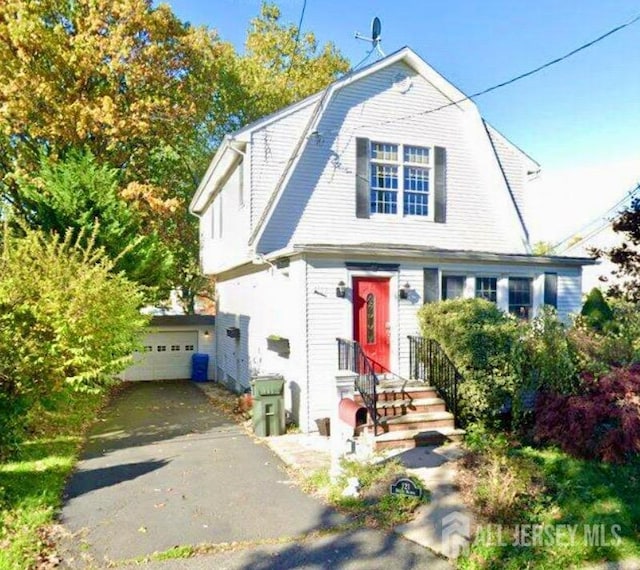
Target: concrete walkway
443	525
164	468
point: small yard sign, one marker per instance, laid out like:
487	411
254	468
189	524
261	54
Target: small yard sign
406	487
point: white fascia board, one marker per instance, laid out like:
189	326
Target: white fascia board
225	158
532	163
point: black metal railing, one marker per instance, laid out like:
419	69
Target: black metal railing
430	363
351	357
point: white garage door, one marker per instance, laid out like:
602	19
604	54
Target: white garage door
166	356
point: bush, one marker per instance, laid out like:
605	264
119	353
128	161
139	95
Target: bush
614	345
596	311
547	359
66	322
601	423
480	340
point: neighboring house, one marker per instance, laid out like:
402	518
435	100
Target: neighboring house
340	215
600	274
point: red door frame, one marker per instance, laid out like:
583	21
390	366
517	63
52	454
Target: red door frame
371	319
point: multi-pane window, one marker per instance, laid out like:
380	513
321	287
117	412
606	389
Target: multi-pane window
175	347
188	347
520	296
487	288
161	348
452	286
399	169
416	181
384	178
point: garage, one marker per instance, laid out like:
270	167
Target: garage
168	347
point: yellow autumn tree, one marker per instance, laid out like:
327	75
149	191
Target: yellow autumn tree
117	76
145	93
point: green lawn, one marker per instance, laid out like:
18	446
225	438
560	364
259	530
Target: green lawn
32	480
580	494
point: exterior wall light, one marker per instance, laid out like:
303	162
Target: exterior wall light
341	290
404	291
206	335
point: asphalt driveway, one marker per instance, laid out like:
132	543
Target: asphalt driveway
164	468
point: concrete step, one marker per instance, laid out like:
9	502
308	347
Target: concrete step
391	394
410	405
425	420
418	438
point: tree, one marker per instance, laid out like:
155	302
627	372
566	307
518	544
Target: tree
67	321
121	78
543	248
75	194
281	65
146	94
626	255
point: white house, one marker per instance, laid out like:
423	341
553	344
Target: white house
339	216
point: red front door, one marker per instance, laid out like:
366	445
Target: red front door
371	319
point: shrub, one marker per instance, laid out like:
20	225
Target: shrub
547	359
596	311
616	344
601	423
480	340
66	321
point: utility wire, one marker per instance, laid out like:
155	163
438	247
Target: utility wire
522	75
297	40
625	200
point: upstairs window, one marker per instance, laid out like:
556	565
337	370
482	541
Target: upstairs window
400	173
384	178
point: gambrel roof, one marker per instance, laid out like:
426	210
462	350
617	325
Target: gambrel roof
232	146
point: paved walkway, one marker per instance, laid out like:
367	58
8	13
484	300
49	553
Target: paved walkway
164	468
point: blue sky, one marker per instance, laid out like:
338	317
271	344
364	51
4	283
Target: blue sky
580	119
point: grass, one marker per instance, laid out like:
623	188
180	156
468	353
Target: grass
375	506
33	477
582	496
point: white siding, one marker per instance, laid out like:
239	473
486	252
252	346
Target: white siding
271	149
331	317
224	239
569	294
514	165
268	302
318	205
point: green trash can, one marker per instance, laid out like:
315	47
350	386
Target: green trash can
268	405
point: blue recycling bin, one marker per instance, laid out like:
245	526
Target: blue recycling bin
199	367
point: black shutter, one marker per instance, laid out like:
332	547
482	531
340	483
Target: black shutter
440	184
431	285
551	289
363	197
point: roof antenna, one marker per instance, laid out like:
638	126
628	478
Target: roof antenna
376	29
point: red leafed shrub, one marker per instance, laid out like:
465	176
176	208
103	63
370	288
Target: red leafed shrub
601	423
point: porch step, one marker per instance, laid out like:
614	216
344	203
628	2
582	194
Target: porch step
395	393
410	405
418	438
425	420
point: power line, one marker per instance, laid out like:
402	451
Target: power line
297	40
522	75
625	200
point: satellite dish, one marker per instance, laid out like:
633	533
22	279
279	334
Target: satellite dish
376	28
